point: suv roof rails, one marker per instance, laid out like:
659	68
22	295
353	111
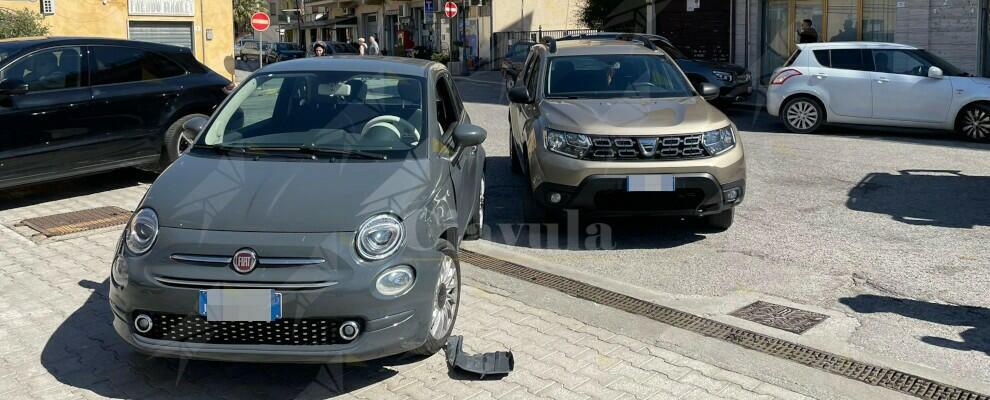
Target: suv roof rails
550	42
640	38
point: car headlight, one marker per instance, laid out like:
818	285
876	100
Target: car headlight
142	231
719	140
379	237
723	76
566	143
395	281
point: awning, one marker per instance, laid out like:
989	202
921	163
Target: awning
343	22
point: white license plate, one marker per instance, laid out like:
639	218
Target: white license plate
240	304
650	183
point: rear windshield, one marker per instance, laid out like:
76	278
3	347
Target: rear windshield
615	76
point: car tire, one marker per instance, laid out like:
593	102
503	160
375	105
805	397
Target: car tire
802	114
720	222
973	122
473	231
436	336
175	141
514	161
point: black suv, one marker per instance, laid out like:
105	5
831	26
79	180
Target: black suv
71	106
734	82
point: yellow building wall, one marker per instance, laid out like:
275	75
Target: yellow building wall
529	15
109	18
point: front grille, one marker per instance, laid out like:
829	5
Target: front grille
196	329
682	199
645	148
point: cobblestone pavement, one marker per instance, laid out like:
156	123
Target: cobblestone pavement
56	339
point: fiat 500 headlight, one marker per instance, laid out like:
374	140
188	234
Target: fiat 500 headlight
719	140
379	237
141	231
566	143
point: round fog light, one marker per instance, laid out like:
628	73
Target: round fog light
555	198
731	195
143	323
395	281
349	330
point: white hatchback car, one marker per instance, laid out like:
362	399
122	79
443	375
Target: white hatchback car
877	84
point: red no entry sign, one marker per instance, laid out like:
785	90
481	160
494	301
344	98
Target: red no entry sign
450	9
260	21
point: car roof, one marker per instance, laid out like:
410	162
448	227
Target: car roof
593	46
87	41
855	45
391	65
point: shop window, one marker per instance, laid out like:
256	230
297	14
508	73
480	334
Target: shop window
878	20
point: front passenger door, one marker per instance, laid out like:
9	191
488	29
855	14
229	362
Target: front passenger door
902	90
43	129
448	115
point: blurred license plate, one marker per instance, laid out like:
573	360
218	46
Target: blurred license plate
240	304
650	183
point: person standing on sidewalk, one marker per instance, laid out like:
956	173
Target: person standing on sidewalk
373	49
362	47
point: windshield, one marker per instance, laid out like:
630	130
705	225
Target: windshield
359	111
615	76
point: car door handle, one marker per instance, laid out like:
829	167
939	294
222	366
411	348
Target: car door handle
882	81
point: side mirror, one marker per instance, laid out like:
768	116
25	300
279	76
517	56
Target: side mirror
708	90
194	126
935	72
467	135
520	94
13	87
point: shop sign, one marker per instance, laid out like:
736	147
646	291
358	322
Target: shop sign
180	8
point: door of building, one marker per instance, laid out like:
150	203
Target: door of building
173	33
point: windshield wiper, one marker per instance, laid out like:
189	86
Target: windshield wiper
319	151
250	151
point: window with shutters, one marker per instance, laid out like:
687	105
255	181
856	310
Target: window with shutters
48	7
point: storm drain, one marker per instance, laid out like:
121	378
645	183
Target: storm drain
78	221
781	317
836	364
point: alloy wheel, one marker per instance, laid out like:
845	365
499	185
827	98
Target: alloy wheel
976	124
448	293
802	115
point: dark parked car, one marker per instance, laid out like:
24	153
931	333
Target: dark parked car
283	52
71	106
734	82
513	61
249	50
252	225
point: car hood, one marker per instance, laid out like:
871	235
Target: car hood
633	117
276	195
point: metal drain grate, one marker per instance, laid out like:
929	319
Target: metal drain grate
781	317
78	221
843	366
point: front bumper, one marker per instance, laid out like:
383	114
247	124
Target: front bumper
388	326
601	185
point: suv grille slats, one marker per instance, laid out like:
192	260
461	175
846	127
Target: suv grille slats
661	148
196	329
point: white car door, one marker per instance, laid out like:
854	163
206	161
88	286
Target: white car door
844	78
902	90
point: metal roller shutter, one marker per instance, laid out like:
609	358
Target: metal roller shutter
173	33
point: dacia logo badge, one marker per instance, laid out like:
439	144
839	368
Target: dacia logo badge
648	146
244	261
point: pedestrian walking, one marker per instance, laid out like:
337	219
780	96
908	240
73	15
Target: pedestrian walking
807	34
362	47
373	48
319	49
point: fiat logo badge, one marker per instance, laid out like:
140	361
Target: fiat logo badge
244	261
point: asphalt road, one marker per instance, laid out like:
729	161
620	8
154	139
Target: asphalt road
885	228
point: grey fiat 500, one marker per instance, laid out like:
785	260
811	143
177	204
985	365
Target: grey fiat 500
316	218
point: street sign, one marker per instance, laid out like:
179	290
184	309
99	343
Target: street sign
428	7
260	21
450	9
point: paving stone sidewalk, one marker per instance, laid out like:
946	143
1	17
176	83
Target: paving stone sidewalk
56	340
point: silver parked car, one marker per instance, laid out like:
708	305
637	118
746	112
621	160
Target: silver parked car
316	218
877	84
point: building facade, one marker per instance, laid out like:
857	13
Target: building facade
205	26
765	31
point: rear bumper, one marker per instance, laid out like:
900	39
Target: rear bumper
694	194
738	92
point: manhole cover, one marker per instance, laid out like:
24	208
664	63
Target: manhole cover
780	317
78	221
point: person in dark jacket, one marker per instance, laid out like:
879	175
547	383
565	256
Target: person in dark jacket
807	34
319	49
